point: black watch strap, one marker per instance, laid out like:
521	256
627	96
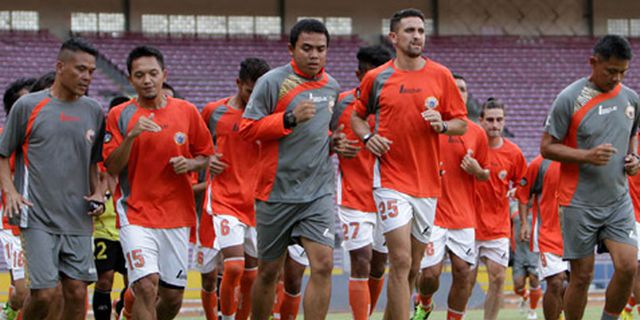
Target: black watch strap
289	120
366	137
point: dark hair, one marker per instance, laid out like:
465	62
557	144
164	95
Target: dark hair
491	103
78	44
404	13
308	26
44	82
458	76
613	46
372	56
144	51
167	86
117	100
12	94
252	68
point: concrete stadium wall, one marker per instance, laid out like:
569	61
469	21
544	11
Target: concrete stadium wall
456	17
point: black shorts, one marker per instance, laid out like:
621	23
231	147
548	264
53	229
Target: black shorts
108	255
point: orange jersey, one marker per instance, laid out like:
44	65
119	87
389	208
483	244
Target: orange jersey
634	192
457	206
150	193
541	184
233	190
398	98
507	166
206	231
355	185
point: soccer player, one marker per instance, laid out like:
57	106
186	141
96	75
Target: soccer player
537	190
634	192
414	100
56	135
155	140
525	262
507	166
357	209
232	186
289	112
464	161
107	249
9	235
591	130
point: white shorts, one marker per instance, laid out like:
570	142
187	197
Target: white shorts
206	259
379	242
496	250
162	251
396	209
551	264
14	256
231	232
459	241
297	253
357	228
638	233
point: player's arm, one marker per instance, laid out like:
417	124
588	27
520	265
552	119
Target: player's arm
182	164
554	149
14	201
471	166
525	229
11	138
632	160
98	189
199	187
263	121
452	127
448	118
119	158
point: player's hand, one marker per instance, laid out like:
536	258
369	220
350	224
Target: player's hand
343	146
304	111
525	232
601	154
144	124
434	118
96	204
181	164
15	203
216	166
378	145
511	193
631	164
469	164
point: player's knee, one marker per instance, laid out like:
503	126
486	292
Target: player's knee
461	270
105	281
555	284
233	269
145	288
400	262
209	282
627	270
172	303
43	297
582	279
323	266
360	266
497	278
269	273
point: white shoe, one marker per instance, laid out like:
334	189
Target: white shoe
532	315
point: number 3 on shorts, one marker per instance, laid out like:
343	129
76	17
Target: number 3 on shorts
390	210
136	257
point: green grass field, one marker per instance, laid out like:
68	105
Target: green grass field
505	314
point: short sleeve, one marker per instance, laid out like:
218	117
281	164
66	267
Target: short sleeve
452	106
112	136
15	128
263	100
559	118
200	143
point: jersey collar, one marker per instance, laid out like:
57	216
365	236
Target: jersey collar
299	72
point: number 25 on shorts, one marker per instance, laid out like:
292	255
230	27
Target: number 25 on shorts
388	210
135	259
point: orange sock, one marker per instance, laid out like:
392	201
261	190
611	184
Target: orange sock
630	303
19	317
522	292
244	305
277	303
209	304
454	315
290	305
359	299
375	288
129	300
534	296
230	286
425	300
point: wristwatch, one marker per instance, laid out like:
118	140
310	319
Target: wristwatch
445	127
366	137
289	120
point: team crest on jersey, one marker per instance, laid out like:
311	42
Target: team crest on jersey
90	135
431	102
630	112
523	182
180	138
502	174
107	137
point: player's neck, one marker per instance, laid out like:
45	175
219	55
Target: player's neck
159	102
59	92
236	103
406	63
495	142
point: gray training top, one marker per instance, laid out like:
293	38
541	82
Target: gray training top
584	117
295	168
55	143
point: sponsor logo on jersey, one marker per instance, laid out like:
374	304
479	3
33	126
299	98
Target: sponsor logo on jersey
66	118
431	102
404	90
630	112
180	138
602	110
502	174
90	135
523	182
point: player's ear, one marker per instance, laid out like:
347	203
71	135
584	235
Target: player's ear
291	48
165	73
